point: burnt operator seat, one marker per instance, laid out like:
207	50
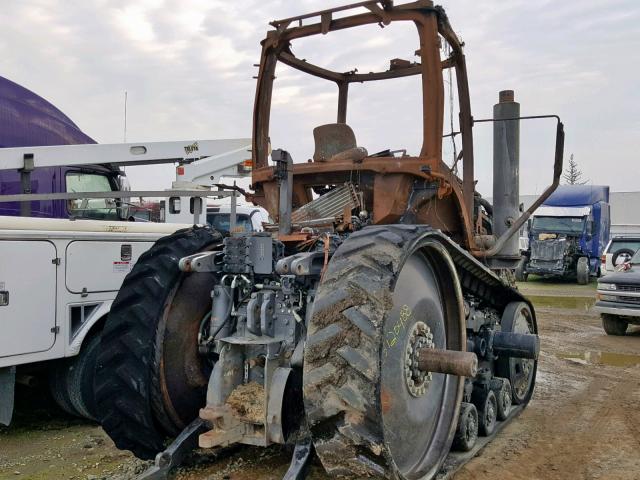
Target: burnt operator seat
336	142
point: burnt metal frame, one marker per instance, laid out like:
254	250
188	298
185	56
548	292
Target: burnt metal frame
429	166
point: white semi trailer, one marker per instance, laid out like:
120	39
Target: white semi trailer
59	277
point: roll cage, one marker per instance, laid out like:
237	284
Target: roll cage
430	22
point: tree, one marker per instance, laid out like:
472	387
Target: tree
572	175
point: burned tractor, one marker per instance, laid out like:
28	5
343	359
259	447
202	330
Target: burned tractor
376	313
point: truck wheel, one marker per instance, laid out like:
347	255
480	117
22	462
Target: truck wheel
521	274
150	380
59	388
613	324
582	269
80	377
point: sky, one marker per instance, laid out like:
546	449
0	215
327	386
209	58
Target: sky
188	65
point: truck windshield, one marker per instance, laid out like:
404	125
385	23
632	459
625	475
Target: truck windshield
221	222
96	208
558	224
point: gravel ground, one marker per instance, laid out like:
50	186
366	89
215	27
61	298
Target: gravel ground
583	422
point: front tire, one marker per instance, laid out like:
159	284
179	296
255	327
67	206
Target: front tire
151	331
521	274
614	325
582	271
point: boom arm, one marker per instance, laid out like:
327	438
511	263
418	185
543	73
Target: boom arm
213	156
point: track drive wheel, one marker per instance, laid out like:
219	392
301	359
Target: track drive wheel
371	412
521	373
467	431
150	381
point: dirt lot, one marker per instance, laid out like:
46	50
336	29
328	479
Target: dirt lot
583	422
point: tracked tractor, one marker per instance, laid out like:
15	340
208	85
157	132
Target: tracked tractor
374	321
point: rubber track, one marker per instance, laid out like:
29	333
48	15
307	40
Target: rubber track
342	354
125	366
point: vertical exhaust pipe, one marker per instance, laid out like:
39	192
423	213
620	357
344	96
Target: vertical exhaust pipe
506	176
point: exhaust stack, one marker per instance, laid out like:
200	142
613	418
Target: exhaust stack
506	176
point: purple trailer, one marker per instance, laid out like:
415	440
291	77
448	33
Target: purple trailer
28	120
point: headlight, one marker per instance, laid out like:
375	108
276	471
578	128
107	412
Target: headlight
608	286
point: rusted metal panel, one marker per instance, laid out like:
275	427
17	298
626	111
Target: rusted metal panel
329	205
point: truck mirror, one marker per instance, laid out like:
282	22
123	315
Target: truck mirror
122	204
123	209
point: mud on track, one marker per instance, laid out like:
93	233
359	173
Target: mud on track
583	421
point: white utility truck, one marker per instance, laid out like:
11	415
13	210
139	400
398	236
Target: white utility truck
59	277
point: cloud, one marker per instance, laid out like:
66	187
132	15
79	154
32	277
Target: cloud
187	66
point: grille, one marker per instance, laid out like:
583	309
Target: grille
635	300
628	288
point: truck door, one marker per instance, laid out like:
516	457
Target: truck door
28	298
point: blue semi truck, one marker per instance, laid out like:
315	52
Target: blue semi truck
567	234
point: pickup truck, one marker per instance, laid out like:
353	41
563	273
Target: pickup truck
618	297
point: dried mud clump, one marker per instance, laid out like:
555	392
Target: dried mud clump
247	402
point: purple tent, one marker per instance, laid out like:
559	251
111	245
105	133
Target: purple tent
28	120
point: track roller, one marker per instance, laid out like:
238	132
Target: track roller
467	431
487	405
502	390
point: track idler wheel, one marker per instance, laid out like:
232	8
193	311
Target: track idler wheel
375	402
520	370
467	431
